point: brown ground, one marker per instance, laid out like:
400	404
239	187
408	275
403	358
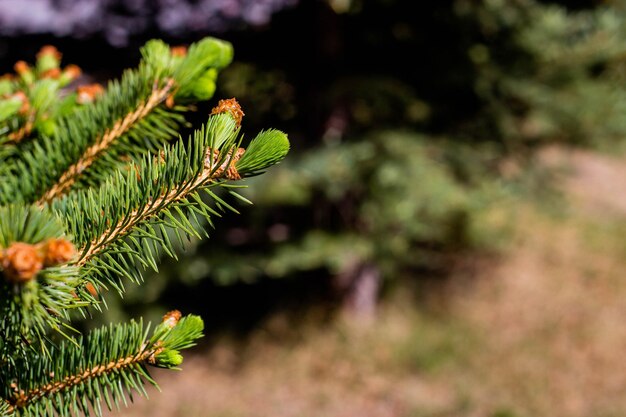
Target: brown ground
540	332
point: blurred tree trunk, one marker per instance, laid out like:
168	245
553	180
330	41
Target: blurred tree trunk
359	287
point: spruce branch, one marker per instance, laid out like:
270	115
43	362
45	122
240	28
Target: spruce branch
19	134
5	408
92	192
128	120
36	282
38	90
106	366
120	127
159	195
40	164
135	195
155	205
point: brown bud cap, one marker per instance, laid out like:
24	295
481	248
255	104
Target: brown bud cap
20	95
229	106
171	318
53	73
72	71
49	50
58	251
88	93
7	77
91	289
160	157
228	168
21	262
21	67
179	51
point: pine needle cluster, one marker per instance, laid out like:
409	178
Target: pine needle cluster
95	186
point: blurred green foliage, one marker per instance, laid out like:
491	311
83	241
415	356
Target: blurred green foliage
547	73
417	136
390	198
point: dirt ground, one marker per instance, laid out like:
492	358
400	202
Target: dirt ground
539	331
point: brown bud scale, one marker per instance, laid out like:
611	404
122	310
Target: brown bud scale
230	106
21	262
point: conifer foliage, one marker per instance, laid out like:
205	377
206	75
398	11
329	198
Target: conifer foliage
95	185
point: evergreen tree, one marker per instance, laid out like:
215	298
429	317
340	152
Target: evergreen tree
424	157
95	185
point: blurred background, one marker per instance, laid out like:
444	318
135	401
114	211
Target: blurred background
446	237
